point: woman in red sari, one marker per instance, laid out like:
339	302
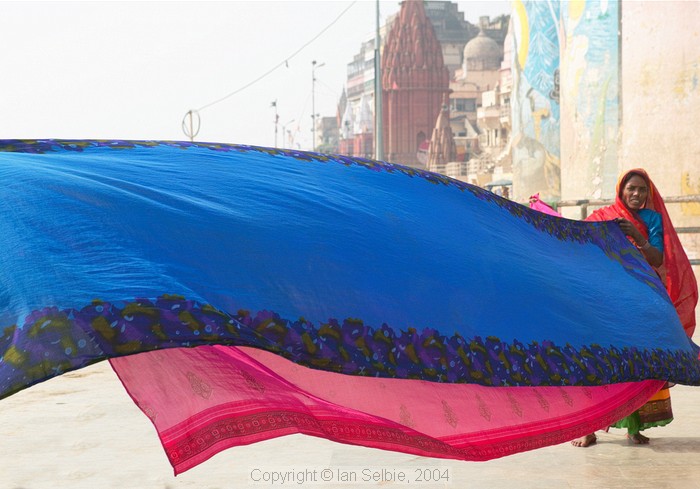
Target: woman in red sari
642	215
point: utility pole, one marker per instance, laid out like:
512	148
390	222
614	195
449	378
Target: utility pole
378	113
313	103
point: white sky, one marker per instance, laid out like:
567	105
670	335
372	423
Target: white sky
131	70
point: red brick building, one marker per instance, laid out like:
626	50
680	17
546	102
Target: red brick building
415	82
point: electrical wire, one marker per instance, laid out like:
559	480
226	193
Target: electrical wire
284	62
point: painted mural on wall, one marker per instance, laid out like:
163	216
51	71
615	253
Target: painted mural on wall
590	80
536	113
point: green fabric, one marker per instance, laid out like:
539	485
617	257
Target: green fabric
634	424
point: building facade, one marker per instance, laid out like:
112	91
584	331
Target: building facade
452	33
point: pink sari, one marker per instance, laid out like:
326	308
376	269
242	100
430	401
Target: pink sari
206	399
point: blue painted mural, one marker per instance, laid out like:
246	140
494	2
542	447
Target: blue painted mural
536	112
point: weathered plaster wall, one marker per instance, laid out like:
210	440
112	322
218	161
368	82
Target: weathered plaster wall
661	97
661	101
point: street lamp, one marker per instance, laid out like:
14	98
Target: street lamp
313	102
189	126
378	110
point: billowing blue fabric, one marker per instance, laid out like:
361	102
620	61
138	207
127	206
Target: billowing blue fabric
111	248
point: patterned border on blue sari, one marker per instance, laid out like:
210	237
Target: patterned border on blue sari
56	340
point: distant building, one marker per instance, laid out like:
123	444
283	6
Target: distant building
453	34
451	30
479	73
357	98
480	107
415	81
442	145
494	119
327	135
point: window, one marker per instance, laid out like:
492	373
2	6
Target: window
463	105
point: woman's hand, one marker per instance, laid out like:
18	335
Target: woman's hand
653	255
630	230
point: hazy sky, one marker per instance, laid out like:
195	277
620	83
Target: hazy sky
131	70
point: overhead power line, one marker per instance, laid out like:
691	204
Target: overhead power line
283	62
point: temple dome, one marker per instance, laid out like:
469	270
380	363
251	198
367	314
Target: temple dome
482	53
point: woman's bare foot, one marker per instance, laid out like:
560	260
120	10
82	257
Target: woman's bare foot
637	439
585	441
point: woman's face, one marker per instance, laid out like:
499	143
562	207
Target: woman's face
634	193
